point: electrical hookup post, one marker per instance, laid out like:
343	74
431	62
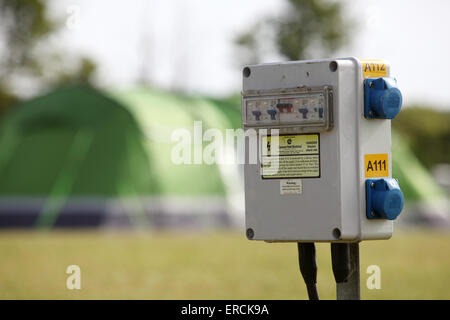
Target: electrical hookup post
323	170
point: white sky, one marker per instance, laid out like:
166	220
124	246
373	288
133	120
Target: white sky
189	43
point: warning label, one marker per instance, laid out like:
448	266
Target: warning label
297	156
291	186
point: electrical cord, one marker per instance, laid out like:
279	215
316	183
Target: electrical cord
340	260
308	267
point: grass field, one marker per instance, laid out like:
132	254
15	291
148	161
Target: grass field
208	265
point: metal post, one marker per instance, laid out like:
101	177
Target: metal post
350	290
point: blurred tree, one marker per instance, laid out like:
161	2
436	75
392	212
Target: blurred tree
306	28
428	133
25	28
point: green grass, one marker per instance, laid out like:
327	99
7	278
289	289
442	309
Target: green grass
219	265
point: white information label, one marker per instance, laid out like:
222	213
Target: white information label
291	186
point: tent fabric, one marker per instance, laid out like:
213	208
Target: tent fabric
159	114
74	141
417	184
427	202
71	143
77	150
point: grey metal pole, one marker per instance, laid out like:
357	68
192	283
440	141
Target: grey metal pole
350	290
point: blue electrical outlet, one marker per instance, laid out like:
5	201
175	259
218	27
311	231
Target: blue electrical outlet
384	199
382	98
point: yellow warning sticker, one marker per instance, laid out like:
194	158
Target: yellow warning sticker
376	165
298	156
374	68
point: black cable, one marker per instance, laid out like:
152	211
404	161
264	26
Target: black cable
340	260
308	268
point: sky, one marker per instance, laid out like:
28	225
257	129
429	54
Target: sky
188	44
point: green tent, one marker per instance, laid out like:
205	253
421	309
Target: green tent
159	114
215	189
426	201
76	152
71	143
55	144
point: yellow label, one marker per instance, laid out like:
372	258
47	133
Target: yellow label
298	156
374	68
376	165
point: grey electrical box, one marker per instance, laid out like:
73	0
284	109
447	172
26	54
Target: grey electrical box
318	143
